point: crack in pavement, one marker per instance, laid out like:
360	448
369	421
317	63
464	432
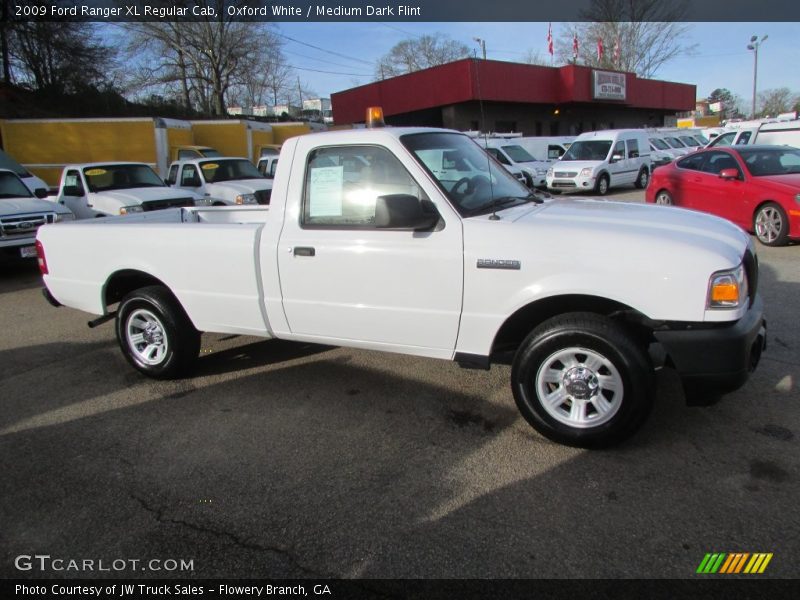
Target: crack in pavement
161	518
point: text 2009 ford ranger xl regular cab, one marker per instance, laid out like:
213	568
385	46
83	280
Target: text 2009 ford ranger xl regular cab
368	244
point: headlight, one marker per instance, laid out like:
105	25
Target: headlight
587	172
550	172
246	199
64	217
126	210
727	289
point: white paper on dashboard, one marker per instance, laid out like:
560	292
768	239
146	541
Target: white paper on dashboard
326	192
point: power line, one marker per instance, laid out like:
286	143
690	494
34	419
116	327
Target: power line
296	41
330	72
330	62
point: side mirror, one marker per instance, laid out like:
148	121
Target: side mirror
403	211
40	193
729	174
616	158
72	190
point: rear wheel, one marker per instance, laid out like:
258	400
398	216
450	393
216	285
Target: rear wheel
663	197
602	185
155	334
771	225
581	379
642	179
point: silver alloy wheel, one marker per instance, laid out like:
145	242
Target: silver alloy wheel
663	198
145	335
643	179
579	387
769	223
602	186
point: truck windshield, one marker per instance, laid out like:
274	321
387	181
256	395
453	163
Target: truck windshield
690	141
12	187
216	171
120	177
518	154
210	153
6	162
659	144
588	150
473	181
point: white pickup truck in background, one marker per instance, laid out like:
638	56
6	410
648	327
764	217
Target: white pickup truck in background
369	243
221	181
22	213
110	189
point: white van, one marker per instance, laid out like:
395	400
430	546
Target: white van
772	132
600	160
546	148
515	158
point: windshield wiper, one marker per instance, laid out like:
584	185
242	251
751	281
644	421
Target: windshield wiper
503	201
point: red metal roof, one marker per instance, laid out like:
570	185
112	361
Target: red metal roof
471	79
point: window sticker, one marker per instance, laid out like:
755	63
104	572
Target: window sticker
95	172
209	166
325	193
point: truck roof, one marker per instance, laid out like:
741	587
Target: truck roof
207	158
106	163
350	135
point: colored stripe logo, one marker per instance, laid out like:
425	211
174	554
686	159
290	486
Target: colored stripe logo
734	562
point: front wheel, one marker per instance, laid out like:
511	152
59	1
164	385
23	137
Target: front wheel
155	334
771	225
602	185
581	379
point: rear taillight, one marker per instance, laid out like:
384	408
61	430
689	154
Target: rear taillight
41	258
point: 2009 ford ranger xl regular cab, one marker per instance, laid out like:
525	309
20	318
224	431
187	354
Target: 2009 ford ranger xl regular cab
370	243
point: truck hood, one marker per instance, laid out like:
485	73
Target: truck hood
569	166
23	206
239	186
638	254
134	196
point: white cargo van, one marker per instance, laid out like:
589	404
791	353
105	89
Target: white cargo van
599	160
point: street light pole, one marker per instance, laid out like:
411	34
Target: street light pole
482	44
753	45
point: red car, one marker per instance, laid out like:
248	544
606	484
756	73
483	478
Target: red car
756	187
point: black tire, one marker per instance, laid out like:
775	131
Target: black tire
176	341
587	335
664	198
603	185
771	225
642	179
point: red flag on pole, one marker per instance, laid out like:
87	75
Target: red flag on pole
600	49
550	39
575	47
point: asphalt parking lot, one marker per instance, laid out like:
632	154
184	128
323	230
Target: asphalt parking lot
290	460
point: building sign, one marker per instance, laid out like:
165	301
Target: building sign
608	86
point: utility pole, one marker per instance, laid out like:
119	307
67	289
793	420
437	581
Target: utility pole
753	45
482	44
300	93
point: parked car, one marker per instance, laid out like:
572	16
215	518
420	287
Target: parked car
414	241
221	181
756	187
109	189
599	160
22	213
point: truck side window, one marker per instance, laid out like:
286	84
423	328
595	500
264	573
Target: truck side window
73	186
172	177
343	183
499	156
189	176
619	149
555	152
633	148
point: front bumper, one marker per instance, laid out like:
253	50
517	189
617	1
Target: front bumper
571	184
712	361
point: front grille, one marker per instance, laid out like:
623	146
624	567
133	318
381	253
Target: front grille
563	184
25	225
566	173
263	196
171	203
751	269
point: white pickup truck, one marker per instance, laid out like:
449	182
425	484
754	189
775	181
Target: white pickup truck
22	213
117	188
368	244
221	181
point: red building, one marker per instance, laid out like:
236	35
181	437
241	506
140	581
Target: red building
532	99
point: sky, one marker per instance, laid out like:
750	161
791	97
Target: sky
720	59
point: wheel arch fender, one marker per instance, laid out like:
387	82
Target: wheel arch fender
124	281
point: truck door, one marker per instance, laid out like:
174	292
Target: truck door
190	180
73	195
342	278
